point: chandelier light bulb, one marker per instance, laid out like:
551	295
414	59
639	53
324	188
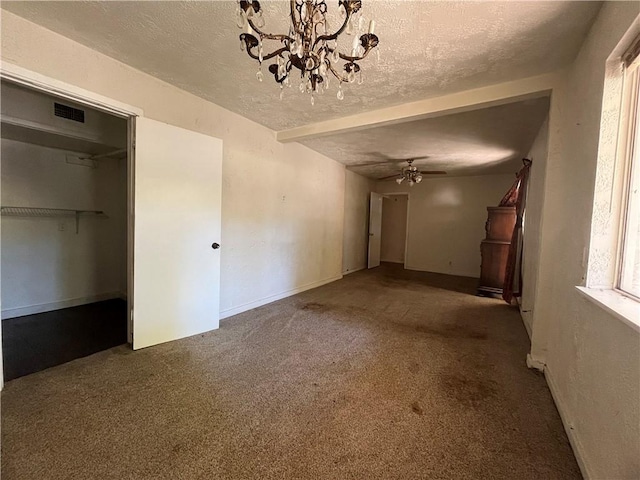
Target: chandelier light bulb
399	180
418	178
411	182
241	20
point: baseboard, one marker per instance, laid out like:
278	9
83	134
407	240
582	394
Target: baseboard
49	307
535	363
454	274
526	318
578	450
347	272
230	312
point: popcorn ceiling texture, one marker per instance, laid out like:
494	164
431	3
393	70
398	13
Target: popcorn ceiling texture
427	49
486	141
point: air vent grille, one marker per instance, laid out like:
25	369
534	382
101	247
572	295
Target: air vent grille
70	113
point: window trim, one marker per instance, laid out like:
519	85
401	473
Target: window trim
629	137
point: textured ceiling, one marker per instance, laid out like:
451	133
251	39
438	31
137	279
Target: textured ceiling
427	49
485	141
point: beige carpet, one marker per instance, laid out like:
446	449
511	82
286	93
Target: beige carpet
386	374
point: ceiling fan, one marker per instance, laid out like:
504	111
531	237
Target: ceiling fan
411	174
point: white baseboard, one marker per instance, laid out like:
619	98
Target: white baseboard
578	450
535	363
48	307
230	312
455	274
352	271
526	318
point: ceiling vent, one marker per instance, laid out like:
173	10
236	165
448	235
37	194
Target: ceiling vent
70	113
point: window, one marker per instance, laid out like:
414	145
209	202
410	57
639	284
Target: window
629	252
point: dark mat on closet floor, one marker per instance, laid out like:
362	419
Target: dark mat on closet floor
35	342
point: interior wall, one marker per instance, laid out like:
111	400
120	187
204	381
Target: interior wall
45	264
446	221
590	357
356	221
532	223
282	224
394	228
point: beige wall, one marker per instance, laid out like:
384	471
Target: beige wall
356	221
533	222
446	220
394	228
279	233
591	358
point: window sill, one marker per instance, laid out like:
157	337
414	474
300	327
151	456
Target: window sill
620	306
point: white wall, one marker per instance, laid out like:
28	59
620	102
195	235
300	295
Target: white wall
356	221
446	221
282	224
44	268
394	228
591	358
533	222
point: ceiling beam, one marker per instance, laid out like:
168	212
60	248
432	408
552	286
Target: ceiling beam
492	95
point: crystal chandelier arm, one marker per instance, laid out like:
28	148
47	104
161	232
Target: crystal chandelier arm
334	35
265	57
368	41
268	36
336	74
292	4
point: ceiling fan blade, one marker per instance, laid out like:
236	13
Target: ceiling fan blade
397	175
387	161
433	172
372	164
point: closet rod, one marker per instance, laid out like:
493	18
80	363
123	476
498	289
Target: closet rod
50	212
104	155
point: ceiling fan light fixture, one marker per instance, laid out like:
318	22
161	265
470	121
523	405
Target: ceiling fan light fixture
399	180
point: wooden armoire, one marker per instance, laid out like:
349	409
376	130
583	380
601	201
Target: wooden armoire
495	249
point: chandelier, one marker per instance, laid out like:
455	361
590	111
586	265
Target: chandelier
411	174
308	46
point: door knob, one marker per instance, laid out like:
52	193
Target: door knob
215	246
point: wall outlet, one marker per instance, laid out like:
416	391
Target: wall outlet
62	226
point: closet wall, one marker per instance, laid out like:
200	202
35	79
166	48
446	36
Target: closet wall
45	263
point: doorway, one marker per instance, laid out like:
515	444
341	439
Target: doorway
64	230
393	238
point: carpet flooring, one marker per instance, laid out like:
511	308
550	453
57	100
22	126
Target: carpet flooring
386	374
36	342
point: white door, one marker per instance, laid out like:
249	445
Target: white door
176	270
375	229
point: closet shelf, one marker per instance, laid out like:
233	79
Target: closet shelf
51	212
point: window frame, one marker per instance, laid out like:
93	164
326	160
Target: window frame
629	155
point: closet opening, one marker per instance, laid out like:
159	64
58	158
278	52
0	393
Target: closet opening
64	230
